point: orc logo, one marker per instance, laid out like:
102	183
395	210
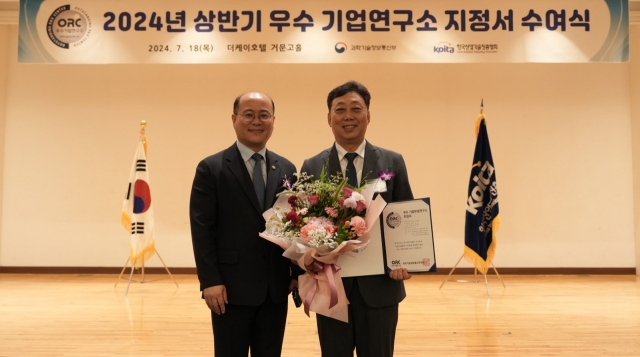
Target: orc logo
68	26
393	220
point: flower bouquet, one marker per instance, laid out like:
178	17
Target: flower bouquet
315	222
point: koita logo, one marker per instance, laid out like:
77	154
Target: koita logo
341	47
445	47
483	178
393	220
68	26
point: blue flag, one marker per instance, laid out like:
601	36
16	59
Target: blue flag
482	221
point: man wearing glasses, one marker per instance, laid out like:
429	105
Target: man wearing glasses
374	299
244	279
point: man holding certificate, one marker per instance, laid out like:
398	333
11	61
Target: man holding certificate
373	308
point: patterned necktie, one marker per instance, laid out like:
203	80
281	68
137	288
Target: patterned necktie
258	180
352	175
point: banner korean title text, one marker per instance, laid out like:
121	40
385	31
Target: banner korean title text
281	31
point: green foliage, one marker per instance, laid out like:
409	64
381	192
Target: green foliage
342	234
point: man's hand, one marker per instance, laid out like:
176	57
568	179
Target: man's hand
293	284
400	274
216	298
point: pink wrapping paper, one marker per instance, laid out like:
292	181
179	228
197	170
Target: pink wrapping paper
305	255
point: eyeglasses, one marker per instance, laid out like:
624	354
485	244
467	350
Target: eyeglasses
249	116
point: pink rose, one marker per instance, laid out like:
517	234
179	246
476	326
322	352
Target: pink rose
293	218
347	192
359	225
360	207
341	201
332	212
313	200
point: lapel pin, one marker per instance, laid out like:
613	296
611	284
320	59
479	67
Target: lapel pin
273	167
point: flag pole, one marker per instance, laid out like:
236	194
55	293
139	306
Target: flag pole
492	265
143	138
475	270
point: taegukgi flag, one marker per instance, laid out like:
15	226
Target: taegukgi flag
137	211
482	217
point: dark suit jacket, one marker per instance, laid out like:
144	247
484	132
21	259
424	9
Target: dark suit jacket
225	222
376	290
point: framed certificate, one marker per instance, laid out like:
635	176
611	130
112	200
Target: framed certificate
402	238
408	236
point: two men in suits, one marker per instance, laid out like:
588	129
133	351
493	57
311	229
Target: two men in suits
244	279
373	308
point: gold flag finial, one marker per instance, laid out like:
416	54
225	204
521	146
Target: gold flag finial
143	136
480	117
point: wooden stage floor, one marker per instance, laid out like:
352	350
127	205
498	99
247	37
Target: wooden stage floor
538	315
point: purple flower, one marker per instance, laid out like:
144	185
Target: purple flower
386	175
286	182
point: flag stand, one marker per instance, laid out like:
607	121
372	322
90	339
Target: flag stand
141	281
475	276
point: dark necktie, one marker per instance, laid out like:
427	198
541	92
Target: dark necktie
258	180
352	175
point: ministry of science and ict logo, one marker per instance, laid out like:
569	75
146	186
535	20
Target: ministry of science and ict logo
443	47
68	26
393	220
341	47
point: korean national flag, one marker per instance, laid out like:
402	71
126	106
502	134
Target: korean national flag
137	210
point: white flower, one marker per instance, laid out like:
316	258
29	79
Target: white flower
357	196
351	203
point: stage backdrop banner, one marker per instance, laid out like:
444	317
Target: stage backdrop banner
286	31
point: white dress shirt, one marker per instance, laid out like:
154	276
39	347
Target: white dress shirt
358	162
